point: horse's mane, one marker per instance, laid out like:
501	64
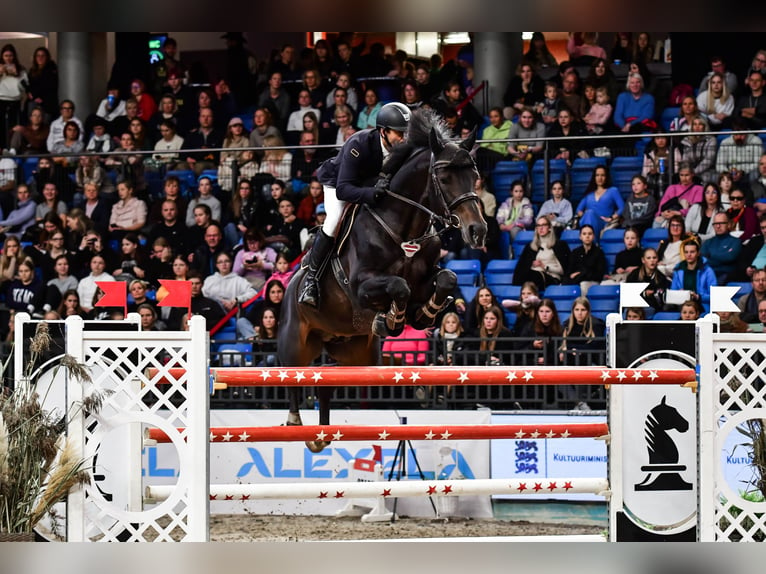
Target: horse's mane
421	122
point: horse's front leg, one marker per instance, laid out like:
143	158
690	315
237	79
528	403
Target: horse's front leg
445	282
378	290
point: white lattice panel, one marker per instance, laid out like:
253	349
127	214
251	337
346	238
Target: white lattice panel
737	396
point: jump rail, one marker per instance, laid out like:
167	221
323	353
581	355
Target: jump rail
337	376
395	432
393	489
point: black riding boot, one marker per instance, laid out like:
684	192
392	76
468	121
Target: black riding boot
321	249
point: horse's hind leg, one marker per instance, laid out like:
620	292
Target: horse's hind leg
445	281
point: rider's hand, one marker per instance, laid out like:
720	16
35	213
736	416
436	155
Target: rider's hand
381	188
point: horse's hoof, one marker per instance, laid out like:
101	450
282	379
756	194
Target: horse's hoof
379	327
317	445
294	420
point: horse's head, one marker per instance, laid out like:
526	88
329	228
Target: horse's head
668	417
453	175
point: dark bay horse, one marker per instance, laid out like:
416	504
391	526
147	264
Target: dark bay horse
386	274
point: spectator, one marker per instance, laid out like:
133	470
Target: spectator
716	101
524	90
255	261
138	292
133	259
600	114
687	112
583	47
693	273
86	288
343	81
343	121
148	315
728	79
699	219
92	244
263	125
722	250
109	109
276	162
200	305
751	108
691	311
525	307
43	89
635	314
241	69
699	151
265	341
732	323
487	199
622	51
308	205
410	347
753	255
100	141
743	219
449	341
305	161
601	76
284	234
602	205
587	263
570	146
670	249
583	333
14	85
538	54
762	315
750	303
275	98
312	81
488	153
128	214
169	142
205	137
411	95
121	124
170	228
10	258
570	96
757	185
327	119
181	94
368	113
31	139
481	302
557	209
56	131
146	104
77	225
540	332
640	207
204	196
228	288
550	105
275	292
70	305
244	208
738	154
282	270
678	197
634	112
544	259
160	264
627	260
656	168
648	272
69	145
495	345
528	127
168	112
204	258
515	213
223	104
129	166
236	139
22	217
50	203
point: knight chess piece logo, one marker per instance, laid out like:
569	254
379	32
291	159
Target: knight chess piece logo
663	468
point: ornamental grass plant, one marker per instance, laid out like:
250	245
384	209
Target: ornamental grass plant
39	463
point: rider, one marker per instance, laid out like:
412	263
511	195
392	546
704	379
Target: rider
344	176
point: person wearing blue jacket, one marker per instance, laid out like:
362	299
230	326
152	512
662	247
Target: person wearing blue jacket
21	218
693	273
634	112
722	250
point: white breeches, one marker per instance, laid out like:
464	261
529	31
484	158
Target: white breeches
334	208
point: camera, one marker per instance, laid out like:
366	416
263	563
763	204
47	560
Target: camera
253	259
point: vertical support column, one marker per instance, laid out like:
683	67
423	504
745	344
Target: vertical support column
615	421
75	514
496	55
74	61
198	396
707	448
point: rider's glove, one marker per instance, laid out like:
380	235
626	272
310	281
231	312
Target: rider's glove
381	187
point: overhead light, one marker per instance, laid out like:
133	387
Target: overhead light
526	35
456	38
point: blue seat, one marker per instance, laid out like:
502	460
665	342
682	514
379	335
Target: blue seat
505	244
666	316
605	305
614	235
510	318
466	279
652	237
667	116
599	292
557	169
468	293
507	292
523	237
235	354
627	163
501	266
492	279
562	292
470	267
745	287
571	237
610	252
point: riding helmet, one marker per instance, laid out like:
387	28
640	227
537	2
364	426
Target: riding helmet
394	116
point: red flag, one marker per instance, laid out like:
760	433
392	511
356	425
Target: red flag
115	294
179	294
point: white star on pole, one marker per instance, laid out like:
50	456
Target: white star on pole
463	377
621	375
565	434
637	375
337	435
520	433
398	377
511	376
317	376
321	435
244	436
550	434
414	376
383	435
528	376
430	435
605	375
653	375
446	434
227	437
212	436
283	375
535	434
299	376
265	375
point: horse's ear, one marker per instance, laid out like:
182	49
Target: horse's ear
468	143
437	146
662	402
